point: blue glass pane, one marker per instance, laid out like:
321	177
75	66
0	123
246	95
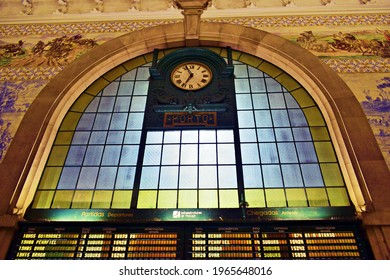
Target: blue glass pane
93	155
263	118
292	175
208	154
208	177
290	100
260	101
207	136
225	136
126	88
244	101
287	153
189	136
272	176
154	137
86	122
302	134
75	156
170	155
242	85
111	89
129	75
129	155
268	153
253	72
149	178
188	178
102	121
98	137
125	178
189	154
245	119
297	117
276	101
226	154
68	178
132	137
138	104
122	104
143	73
306	152
240	71
106	104
258	85
172	137
169	177
273	85
280	118
88	176
252	176
227	177
135	121
250	153
248	135
141	87
93	106
312	175
266	135
81	137
118	121
283	134
152	155
106	178
111	155
115	137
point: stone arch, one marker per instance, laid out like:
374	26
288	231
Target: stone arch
353	138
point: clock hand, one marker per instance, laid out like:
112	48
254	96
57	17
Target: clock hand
189	77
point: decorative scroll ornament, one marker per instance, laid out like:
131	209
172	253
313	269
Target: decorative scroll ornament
27	7
62	7
99	6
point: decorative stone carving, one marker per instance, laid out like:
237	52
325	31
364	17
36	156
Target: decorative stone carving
27	7
289	3
328	2
99	6
135	5
365	1
62	7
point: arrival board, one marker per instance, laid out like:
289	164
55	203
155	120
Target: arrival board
190	241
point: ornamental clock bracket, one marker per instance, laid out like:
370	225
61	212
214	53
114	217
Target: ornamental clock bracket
193	9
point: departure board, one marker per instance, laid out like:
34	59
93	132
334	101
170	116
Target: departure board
186	241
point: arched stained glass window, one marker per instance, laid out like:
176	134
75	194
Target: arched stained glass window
103	159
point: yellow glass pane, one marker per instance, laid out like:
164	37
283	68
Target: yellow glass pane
270	69
102	199
319	133
250	60
97	86
113	74
82	199
121	199
255	197
338	197
81	103
70	121
275	198
188	199
314	116
288	82
62	199
228	199
57	156
235	54
167	199
43	199
217	50
303	98
208	199
147	199
332	174
296	197
325	152
134	63
50	178
317	197
64	138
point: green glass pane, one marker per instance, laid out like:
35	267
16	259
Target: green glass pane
255	197
288	82
147	199
62	199
97	86
43	199
133	63
338	197
82	102
296	197
167	199
113	74
331	174
208	199
317	197
188	199
325	152
314	116
228	198
319	133
50	178
303	98
102	199
250	60
64	138
121	199
275	198
82	199
57	156
270	69
70	121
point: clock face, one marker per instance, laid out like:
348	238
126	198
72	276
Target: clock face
191	76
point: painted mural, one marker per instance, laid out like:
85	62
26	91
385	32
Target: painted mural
358	49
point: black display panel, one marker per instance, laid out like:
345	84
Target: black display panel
190	241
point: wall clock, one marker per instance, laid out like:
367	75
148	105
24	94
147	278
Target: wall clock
191	75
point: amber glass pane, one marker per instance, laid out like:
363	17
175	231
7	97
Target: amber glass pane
81	103
115	73
50	178
62	199
338	197
147	199
208	199
275	198
319	133
325	152
296	197
188	199
317	197
43	199
255	197
82	199
167	199
314	116
121	199
97	86
332	175
228	198
64	138
57	156
102	199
